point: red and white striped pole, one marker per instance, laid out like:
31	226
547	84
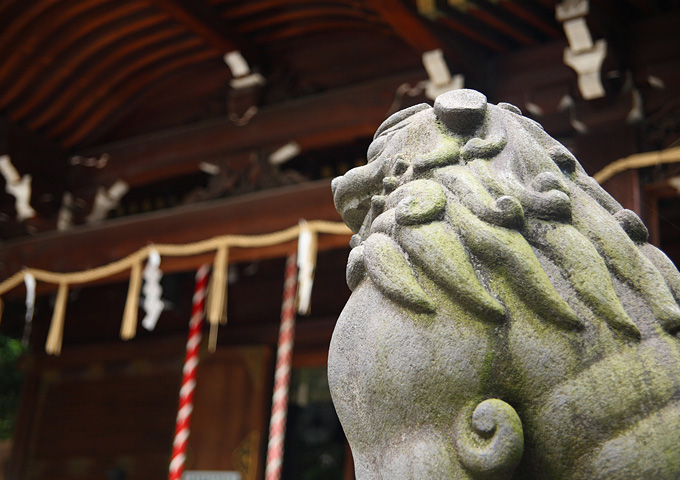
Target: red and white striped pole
186	393
284	356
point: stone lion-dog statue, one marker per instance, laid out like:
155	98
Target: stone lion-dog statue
508	318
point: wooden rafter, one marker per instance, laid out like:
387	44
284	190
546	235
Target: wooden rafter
530	14
312	27
475	29
318	14
494	16
61	104
405	24
146	80
314	122
126	68
206	22
647	7
462	27
36	69
412	29
119	30
244	9
48	27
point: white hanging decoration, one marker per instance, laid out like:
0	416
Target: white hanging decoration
440	79
243	78
236	63
568	9
582	54
567	103
656	82
306	259
637	112
283	154
29	281
65	215
587	65
533	108
19	187
152	290
209	168
107	200
90	161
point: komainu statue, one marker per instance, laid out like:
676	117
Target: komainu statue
508	318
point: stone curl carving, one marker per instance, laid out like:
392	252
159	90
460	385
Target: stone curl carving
508	317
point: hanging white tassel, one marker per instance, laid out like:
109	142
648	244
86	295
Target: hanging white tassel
152	290
55	335
217	291
128	328
29	281
306	259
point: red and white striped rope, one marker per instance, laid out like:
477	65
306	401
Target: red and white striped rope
284	356
186	393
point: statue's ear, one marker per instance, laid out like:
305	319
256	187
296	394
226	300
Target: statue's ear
400	116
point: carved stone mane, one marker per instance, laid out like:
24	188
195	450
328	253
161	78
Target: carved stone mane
508	317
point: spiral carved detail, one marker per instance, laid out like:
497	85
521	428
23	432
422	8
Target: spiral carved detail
490	442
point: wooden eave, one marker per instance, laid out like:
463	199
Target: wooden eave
90	246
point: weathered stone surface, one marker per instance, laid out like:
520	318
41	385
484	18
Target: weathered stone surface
508	318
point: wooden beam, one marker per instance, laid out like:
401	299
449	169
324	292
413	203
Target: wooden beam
49	95
411	28
264	212
405	24
98	114
111	78
532	15
314	122
315	14
463	28
489	15
646	7
207	23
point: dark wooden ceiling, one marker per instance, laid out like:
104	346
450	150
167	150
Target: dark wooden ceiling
145	82
73	67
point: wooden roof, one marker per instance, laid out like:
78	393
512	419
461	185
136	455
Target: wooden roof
144	81
72	68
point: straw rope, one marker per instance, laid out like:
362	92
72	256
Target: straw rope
638	160
172	250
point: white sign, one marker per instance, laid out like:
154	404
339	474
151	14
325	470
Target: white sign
209	475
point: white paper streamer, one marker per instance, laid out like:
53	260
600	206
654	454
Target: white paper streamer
306	259
107	200
440	79
283	154
152	290
19	187
236	63
435	65
29	280
588	65
65	215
